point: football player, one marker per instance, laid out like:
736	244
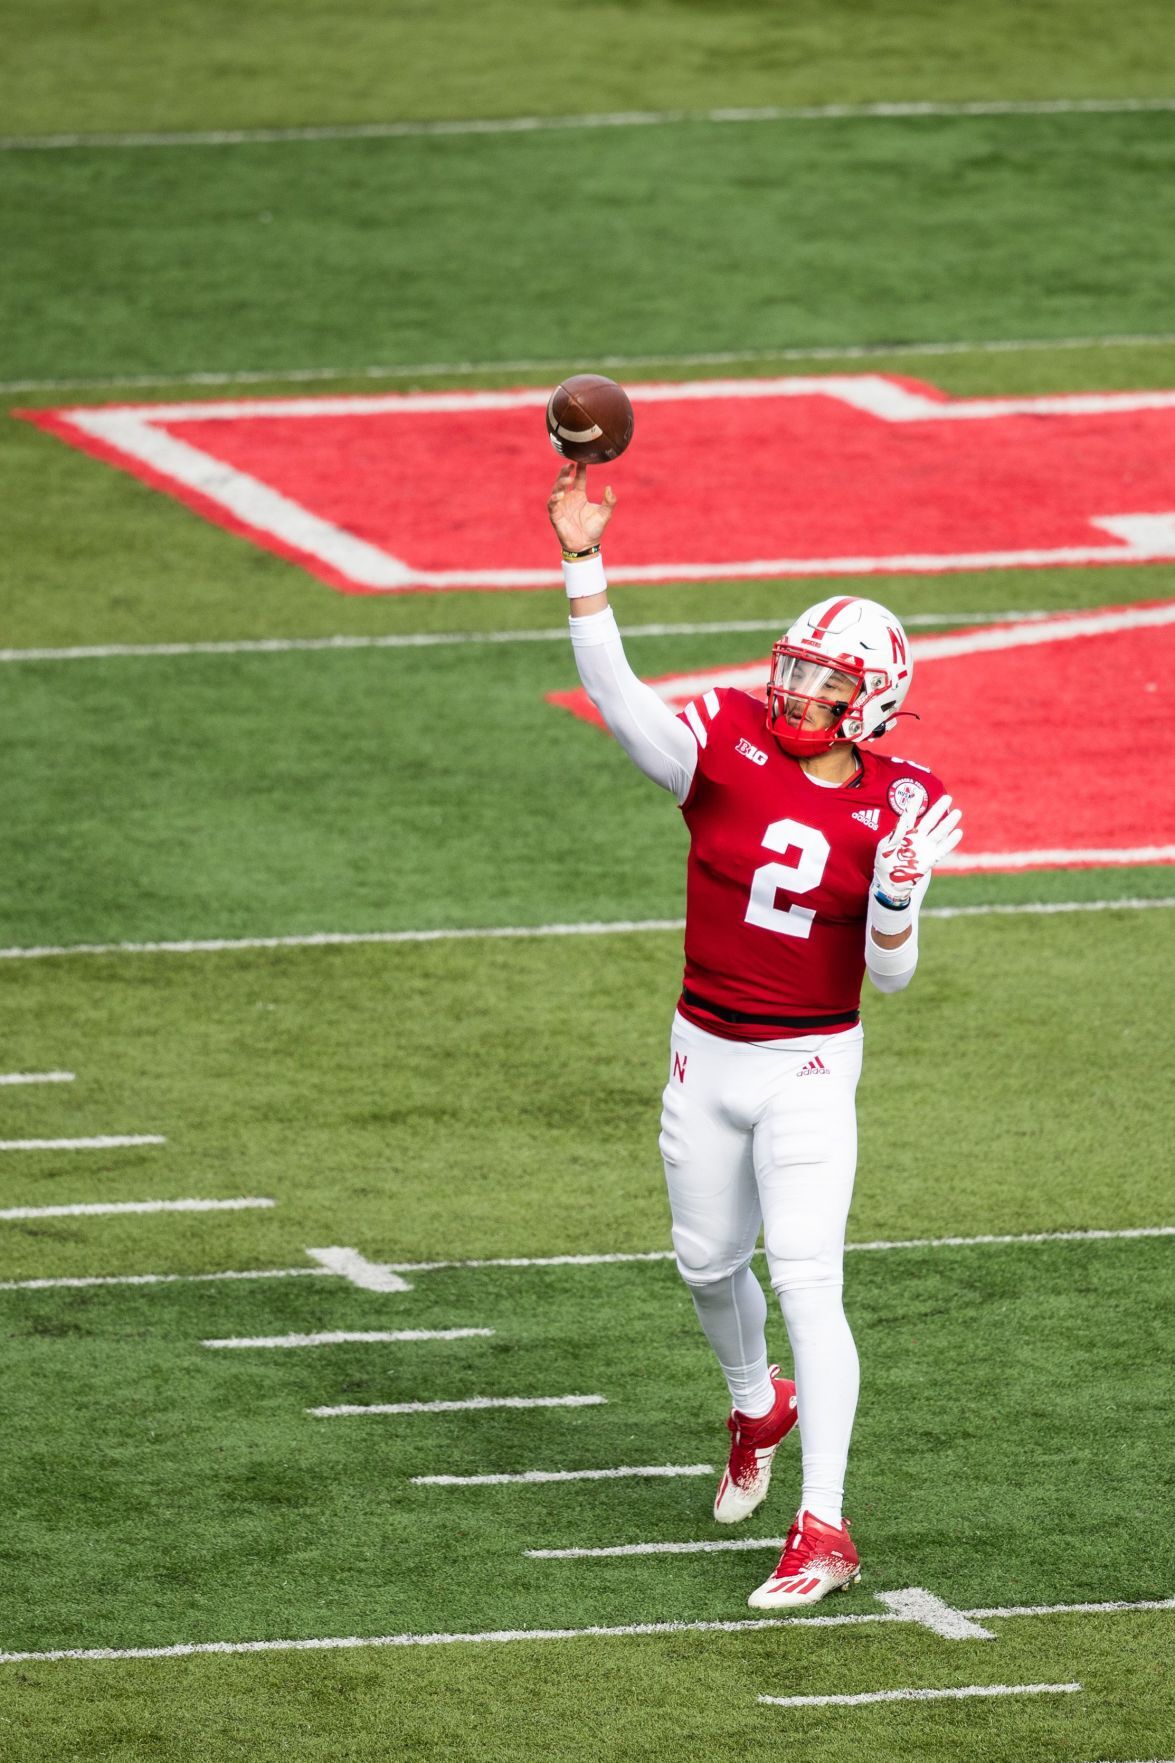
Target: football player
810	855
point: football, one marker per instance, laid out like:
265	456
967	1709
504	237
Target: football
589	419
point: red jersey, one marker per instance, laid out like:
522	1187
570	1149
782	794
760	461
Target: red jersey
779	874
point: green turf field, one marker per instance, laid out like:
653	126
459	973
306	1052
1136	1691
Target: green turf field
488	1100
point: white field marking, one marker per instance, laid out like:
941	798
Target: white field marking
667	1470
735	1543
190	1649
452	639
711	358
1059	1236
108	1142
617	927
93	1210
471	1403
1112	1608
145	1279
161	1279
136	433
1051	858
991	1689
899	109
1039	629
369	1276
337	1336
37	1077
918	1605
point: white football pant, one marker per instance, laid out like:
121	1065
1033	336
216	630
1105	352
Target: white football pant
765	1137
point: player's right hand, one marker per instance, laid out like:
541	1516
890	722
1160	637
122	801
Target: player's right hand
578	522
911	851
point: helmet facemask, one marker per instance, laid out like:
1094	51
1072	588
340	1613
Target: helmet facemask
812	700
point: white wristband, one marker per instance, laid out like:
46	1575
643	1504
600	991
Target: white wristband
890	921
584	577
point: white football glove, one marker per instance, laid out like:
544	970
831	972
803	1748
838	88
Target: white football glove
911	851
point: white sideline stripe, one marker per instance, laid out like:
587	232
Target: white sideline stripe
617	927
710	358
736	1543
109	1142
612	119
37	1077
916	1604
93	1210
455	1407
453	639
668	1470
189	1649
993	1689
144	1279
335	1337
369	1276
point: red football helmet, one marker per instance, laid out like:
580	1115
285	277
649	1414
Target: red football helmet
845	656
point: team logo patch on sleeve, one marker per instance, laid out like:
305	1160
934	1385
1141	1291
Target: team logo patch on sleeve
907	792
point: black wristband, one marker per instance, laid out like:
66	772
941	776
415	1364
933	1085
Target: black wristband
891	905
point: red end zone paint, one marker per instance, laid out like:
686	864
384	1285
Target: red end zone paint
845	475
1055	749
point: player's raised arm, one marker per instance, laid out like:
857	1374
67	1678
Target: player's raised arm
645	727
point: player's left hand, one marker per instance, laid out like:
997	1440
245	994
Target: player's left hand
911	851
578	522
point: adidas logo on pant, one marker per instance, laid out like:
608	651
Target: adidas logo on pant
814	1068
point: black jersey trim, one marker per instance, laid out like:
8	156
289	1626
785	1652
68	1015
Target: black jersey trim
838	1020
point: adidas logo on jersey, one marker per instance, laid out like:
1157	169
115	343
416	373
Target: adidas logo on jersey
751	753
870	817
814	1068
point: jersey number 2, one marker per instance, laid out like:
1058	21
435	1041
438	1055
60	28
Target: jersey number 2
800	877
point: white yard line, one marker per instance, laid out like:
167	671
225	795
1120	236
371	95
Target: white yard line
456	639
37	1077
337	1336
993	1689
190	1649
892	110
666	1470
470	1403
521	1261
108	1142
161	1279
722	358
707	1548
1060	1236
119	1206
615	927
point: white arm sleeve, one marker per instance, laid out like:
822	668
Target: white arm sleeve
891	970
646	728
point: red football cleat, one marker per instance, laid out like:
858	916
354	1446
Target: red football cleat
819	1558
748	1469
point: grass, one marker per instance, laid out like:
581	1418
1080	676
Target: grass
205	64
749	236
474	1099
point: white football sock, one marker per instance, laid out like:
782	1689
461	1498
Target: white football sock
827	1380
733	1315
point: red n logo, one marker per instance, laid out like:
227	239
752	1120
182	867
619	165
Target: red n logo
679	1060
897	643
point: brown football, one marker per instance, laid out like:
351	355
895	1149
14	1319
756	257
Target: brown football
589	419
